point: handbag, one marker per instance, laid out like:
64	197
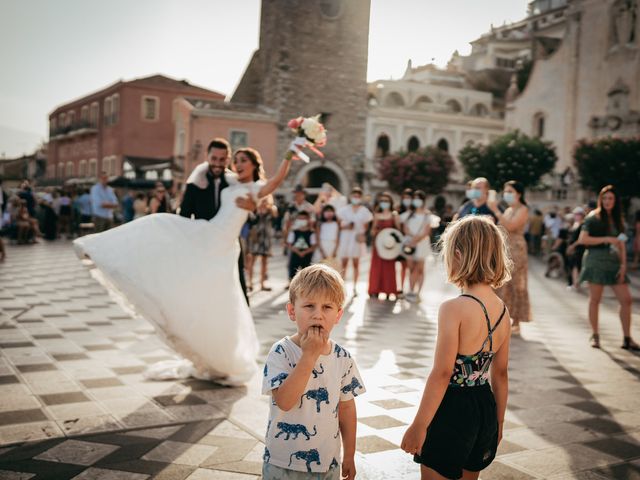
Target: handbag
360	237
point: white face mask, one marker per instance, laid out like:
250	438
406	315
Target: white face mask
356	200
417	202
300	224
385	205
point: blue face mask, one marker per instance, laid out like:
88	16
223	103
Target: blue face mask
385	205
406	202
509	197
356	200
473	193
417	202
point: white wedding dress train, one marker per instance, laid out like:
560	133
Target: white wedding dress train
182	276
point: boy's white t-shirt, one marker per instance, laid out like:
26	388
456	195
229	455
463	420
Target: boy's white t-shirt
307	437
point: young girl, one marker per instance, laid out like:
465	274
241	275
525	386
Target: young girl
458	427
327	233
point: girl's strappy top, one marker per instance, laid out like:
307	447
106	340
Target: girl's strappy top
473	370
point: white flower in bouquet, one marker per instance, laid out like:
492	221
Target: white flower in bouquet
310	133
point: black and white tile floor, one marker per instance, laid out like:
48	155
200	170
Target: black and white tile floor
74	404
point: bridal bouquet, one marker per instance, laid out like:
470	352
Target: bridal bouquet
309	133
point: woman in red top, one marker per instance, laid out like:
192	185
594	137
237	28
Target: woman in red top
382	275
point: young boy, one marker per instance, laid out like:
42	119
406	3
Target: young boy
312	382
302	242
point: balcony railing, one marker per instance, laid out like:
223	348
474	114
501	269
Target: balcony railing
78	128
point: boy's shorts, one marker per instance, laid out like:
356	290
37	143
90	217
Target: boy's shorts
271	472
463	433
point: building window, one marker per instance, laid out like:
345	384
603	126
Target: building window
128	171
150	107
107	111
505	62
150	175
479	110
84	114
62	118
238	139
109	165
167	176
93	167
82	168
423	103
51	171
71	118
383	145
60	172
394	99
115	108
69	169
93	114
443	145
538	125
454	106
52	125
413	144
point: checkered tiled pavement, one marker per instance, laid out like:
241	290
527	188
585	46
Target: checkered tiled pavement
74	404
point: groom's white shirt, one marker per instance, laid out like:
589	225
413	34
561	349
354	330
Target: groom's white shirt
199	176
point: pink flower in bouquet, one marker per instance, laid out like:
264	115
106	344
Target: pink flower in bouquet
294	123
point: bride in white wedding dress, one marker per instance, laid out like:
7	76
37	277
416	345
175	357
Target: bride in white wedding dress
182	276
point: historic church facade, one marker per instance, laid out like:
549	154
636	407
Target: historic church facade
590	87
312	59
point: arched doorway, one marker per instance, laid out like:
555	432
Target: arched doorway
383	145
318	176
314	174
443	145
413	144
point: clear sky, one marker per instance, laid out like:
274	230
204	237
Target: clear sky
53	51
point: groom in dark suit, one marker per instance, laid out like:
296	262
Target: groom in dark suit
201	198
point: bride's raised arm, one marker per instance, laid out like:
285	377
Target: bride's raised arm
274	182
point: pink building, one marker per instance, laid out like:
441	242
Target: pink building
126	129
198	121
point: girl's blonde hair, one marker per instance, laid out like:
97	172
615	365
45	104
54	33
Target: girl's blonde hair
475	251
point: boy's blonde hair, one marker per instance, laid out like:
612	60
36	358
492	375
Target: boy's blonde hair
475	251
318	279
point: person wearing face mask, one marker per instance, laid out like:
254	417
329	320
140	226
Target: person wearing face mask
382	274
405	205
477	204
302	242
354	221
417	224
328	234
515	293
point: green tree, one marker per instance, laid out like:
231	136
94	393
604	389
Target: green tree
514	156
609	161
426	169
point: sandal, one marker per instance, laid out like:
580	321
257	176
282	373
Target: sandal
595	340
629	344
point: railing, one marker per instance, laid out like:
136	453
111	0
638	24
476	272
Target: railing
69	130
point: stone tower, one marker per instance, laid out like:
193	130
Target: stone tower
312	58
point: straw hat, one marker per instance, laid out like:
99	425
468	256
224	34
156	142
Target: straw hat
389	243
